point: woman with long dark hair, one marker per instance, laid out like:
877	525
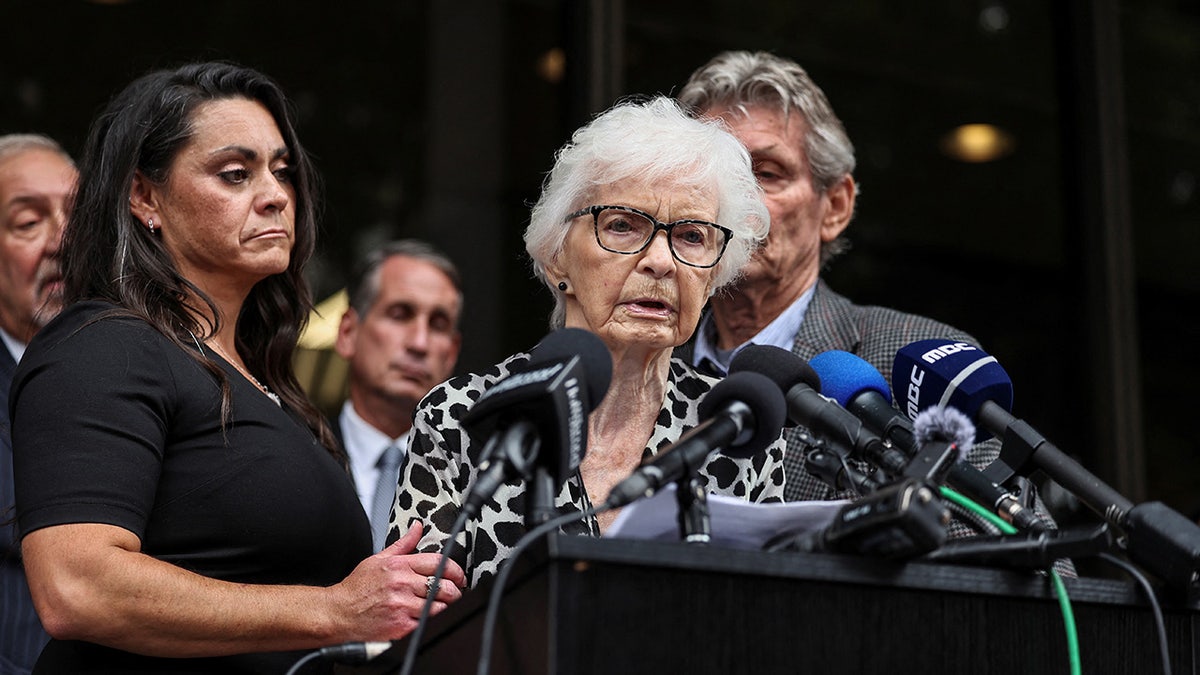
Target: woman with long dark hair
183	506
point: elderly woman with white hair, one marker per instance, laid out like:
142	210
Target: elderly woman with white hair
639	169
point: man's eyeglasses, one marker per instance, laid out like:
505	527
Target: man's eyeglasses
623	229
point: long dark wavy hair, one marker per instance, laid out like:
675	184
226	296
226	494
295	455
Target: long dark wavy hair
108	254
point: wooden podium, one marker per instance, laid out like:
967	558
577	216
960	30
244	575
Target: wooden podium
580	605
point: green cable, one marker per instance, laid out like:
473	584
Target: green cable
1064	603
1060	590
974	507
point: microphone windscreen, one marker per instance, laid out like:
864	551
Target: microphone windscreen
763	398
947	425
594	357
948	373
844	376
782	367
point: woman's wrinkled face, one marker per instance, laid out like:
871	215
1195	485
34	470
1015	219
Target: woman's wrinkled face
648	298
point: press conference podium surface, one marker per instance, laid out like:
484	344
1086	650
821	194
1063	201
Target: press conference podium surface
583	605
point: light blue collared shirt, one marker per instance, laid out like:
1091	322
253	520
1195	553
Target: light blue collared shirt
779	333
364	446
15	346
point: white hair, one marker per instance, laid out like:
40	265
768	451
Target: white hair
650	140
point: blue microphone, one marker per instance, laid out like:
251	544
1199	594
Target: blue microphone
1158	538
950	373
860	388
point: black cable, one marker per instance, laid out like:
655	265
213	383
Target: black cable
501	580
410	656
347	652
300	664
1159	624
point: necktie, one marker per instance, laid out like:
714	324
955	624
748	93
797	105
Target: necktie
385	494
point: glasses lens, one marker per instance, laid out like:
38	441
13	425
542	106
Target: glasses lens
623	231
697	243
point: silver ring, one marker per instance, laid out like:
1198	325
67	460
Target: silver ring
430	584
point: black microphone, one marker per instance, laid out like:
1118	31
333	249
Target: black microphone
900	520
535	420
962	375
805	405
743	414
1030	550
862	389
944	437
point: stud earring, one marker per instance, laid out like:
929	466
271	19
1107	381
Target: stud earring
150	224
562	286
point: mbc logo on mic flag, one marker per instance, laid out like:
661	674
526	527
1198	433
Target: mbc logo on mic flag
950	373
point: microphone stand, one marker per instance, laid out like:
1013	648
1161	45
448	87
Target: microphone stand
540	508
695	520
1157	537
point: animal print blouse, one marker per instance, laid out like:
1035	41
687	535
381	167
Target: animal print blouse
442	465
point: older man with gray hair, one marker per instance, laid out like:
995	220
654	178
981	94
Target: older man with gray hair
37	178
804	161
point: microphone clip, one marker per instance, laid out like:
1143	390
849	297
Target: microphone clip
932	462
831	464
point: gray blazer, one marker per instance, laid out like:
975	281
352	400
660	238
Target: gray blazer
875	334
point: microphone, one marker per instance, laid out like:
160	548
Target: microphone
901	520
964	477
945	424
535	420
958	374
801	386
862	389
962	375
743	414
1031	550
944	436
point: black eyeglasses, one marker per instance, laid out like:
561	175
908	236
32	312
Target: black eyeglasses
626	230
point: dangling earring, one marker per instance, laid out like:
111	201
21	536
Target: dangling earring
562	286
150	224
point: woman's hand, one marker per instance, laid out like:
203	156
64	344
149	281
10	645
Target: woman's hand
385	593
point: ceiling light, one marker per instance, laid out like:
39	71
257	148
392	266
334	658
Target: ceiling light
552	65
977	143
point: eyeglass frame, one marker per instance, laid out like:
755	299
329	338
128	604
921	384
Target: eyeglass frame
595	210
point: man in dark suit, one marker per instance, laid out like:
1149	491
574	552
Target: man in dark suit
400	337
37	178
804	162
